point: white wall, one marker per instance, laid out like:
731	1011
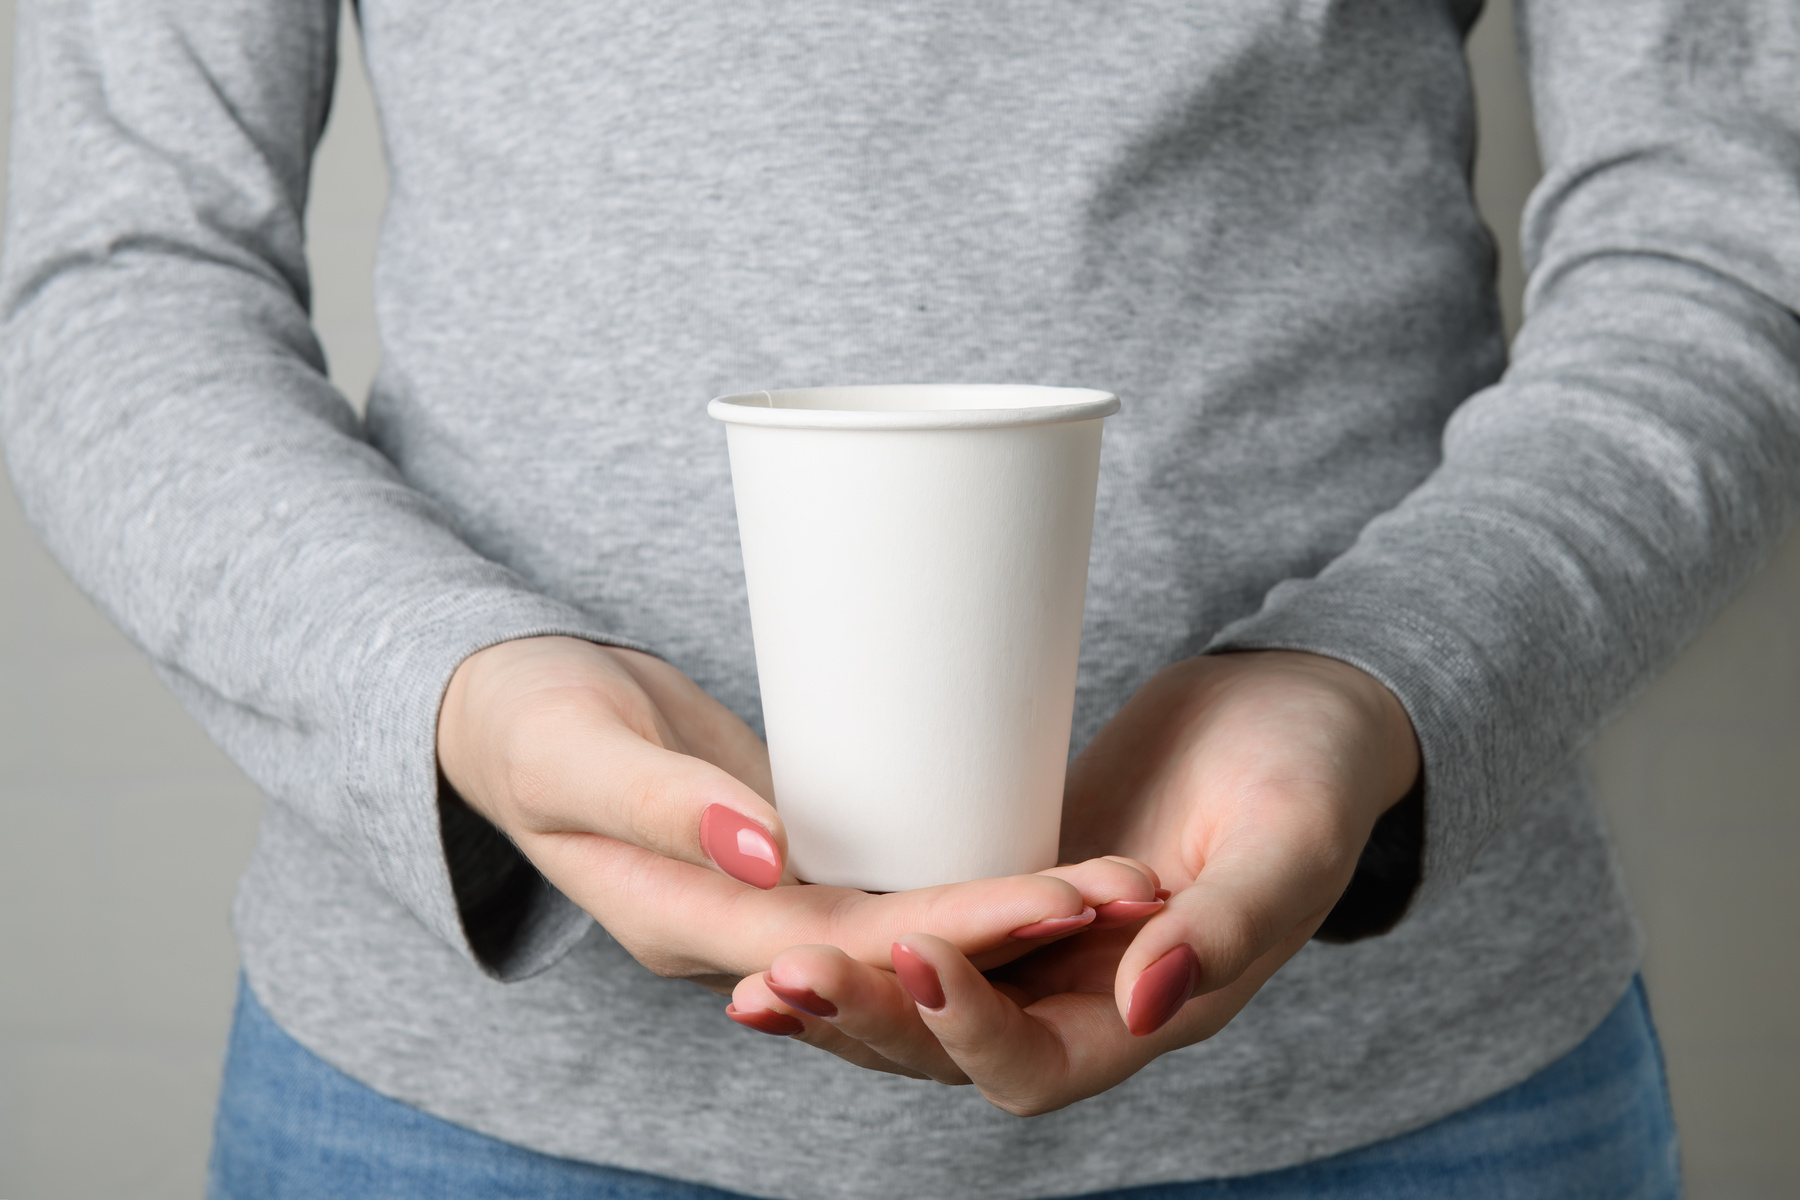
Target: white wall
122	829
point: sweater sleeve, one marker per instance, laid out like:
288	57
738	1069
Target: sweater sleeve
175	442
1641	455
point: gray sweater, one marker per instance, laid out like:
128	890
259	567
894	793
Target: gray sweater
1250	218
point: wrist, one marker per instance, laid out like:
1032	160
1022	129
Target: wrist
1390	862
490	719
1393	742
1378	733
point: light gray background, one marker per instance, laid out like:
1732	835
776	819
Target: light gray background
122	829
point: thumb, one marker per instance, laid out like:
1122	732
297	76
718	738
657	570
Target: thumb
556	736
622	787
1247	912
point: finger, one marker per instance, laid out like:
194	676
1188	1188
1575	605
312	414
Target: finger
1248	901
1141	867
557	735
1120	890
860	1002
616	785
820	1036
1005	915
681	920
755	1004
1089	963
1024	1060
699	724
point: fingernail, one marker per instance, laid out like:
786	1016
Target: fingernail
764	1021
1161	990
1163	893
917	977
739	846
804	999
1124	912
1053	926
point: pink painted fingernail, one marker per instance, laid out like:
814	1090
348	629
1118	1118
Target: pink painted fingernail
1052	927
804	999
1163	893
918	977
764	1021
1161	990
740	847
1124	912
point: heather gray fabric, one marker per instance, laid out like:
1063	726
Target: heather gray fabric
1251	219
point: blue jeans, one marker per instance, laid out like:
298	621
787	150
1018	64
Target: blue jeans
1594	1124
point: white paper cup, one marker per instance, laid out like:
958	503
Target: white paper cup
917	561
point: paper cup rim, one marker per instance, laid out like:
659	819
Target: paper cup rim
1021	406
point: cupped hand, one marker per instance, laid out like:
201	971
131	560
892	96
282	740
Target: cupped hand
646	802
1248	783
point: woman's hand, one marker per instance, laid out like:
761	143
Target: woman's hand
1248	783
645	801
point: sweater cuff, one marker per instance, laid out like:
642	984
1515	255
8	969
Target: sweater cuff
458	874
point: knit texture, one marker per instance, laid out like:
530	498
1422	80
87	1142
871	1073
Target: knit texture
1251	219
